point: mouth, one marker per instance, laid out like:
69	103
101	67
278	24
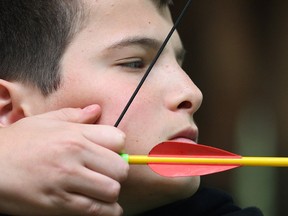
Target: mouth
188	135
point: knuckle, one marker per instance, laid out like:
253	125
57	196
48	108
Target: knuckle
69	113
119	136
74	147
95	209
118	210
113	190
122	137
73	144
65	172
100	209
124	170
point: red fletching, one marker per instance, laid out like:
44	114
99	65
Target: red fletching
181	149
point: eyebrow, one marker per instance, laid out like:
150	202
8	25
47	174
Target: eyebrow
137	41
147	42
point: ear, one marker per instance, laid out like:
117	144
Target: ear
11	109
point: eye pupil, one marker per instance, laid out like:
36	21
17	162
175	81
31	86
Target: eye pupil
132	64
136	64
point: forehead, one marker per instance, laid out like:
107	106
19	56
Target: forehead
157	3
127	4
110	22
126	12
117	19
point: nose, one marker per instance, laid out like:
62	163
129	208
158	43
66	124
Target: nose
183	94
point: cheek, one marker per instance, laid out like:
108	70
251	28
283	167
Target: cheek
143	126
70	98
117	99
79	89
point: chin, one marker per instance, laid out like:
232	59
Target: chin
145	190
178	188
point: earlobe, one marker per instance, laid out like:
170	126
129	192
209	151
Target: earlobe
10	104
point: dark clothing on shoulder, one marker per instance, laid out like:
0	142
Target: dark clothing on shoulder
206	202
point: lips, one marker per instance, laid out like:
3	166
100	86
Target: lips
185	140
188	135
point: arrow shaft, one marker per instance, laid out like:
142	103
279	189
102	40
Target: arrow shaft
244	161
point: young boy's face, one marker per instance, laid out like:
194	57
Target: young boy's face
103	65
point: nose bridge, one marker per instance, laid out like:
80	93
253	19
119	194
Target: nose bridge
182	94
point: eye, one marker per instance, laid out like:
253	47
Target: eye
131	63
135	64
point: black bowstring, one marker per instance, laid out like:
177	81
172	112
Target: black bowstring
153	63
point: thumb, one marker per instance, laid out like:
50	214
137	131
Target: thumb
86	115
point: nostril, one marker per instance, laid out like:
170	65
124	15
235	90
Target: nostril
185	105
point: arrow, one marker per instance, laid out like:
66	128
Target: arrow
175	159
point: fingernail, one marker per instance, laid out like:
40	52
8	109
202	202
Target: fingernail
90	108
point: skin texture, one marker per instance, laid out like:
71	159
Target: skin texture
102	70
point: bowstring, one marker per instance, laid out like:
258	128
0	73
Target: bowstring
153	63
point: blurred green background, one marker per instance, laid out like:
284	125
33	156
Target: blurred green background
237	54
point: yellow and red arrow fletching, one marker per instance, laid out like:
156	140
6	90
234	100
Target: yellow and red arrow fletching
175	159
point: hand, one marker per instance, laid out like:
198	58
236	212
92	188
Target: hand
59	163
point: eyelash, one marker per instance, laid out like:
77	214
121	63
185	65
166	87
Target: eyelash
135	64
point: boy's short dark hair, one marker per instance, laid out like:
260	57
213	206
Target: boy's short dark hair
33	37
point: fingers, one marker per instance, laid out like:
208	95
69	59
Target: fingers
91	170
84	206
88	114
102	209
94	185
96	146
105	135
106	162
78	168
